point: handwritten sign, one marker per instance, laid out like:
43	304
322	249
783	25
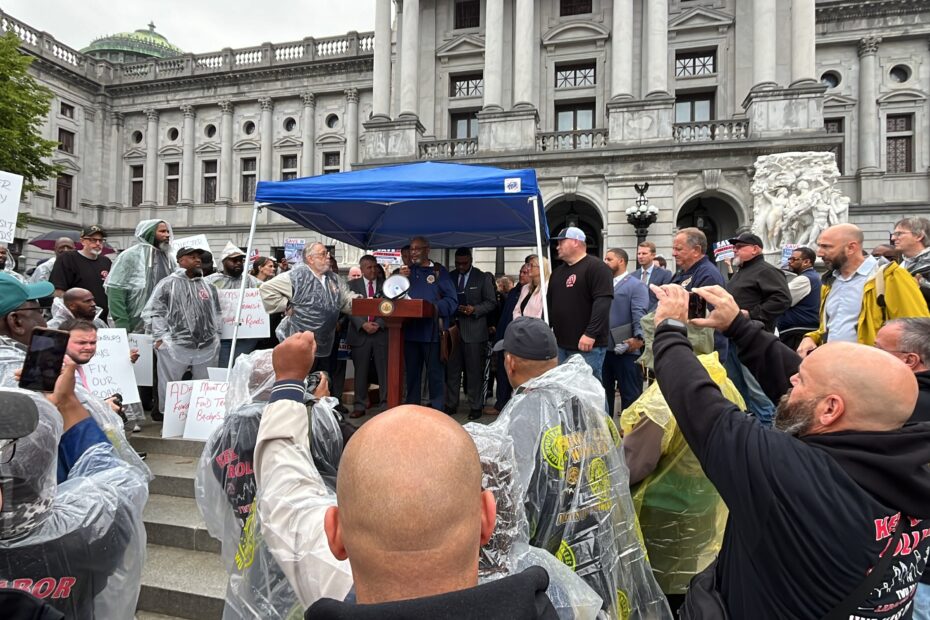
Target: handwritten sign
177	404
253	321
724	250
109	371
11	189
293	248
143	366
207	409
195	241
388	257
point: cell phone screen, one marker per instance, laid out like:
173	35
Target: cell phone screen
697	306
43	359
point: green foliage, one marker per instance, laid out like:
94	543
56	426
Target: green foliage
24	106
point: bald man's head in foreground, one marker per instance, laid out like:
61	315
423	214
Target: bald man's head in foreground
845	386
411	514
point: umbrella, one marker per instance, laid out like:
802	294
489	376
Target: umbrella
47	240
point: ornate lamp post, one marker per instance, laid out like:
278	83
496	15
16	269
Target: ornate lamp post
642	214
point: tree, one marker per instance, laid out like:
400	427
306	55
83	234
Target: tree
24	105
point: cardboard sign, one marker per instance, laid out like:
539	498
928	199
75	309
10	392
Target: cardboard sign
724	250
206	410
109	371
253	321
388	257
11	189
786	251
293	250
177	403
143	366
195	241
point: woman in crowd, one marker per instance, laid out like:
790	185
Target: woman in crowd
530	302
263	268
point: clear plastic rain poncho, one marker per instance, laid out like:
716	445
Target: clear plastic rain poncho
43	272
79	545
60	314
574	484
185	315
226	491
134	274
316	307
681	515
507	552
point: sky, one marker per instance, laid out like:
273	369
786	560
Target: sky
196	26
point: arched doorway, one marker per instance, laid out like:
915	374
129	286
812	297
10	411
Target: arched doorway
579	213
713	215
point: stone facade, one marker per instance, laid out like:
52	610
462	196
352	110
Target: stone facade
596	96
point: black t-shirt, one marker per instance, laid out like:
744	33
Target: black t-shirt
74	269
579	302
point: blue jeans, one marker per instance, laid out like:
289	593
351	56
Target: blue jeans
922	602
415	355
757	402
594	358
621	372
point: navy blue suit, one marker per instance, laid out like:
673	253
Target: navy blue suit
658	276
629	306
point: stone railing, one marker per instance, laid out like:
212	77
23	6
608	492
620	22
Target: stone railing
571	140
711	131
448	149
42	44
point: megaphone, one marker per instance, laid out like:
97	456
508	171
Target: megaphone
395	287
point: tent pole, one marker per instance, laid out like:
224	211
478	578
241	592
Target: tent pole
242	287
542	270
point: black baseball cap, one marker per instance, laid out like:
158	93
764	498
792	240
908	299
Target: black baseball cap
93	230
19	415
530	339
746	238
189	250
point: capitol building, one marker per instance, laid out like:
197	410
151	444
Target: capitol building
596	95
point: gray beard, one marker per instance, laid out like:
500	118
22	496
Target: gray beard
794	419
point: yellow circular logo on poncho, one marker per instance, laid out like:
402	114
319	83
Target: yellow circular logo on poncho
599	478
623	605
552	448
565	555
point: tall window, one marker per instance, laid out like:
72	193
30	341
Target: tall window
332	162
574	117
247	184
464	125
172	182
471	85
689	64
66	141
137	176
899	143
694	108
288	167
835	126
63	192
570	76
66	110
574	7
209	181
467	14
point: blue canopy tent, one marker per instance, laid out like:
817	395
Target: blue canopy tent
453	205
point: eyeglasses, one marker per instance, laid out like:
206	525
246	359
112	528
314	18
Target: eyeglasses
93	240
31	309
898	233
320	254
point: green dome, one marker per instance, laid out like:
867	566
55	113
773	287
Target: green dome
132	46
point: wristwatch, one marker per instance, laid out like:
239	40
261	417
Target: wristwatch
673	325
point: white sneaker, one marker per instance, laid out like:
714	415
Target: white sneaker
136	429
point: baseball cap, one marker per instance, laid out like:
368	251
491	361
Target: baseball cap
231	251
571	232
93	230
529	338
189	250
14	293
19	415
746	238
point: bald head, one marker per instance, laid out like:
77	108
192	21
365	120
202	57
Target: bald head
841	247
847	233
81	303
411	513
64	244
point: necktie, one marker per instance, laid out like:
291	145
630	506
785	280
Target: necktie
644	276
371	294
461	283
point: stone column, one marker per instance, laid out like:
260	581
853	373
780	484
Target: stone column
226	156
116	149
868	105
621	56
308	135
410	62
764	43
523	55
398	57
150	192
494	55
351	118
267	129
187	156
657	47
803	41
381	91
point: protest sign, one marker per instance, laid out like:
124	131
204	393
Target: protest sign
786	251
194	241
11	189
110	372
293	250
177	403
388	257
143	366
207	409
253	321
724	250
217	374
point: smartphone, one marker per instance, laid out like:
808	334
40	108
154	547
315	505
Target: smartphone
43	359
697	306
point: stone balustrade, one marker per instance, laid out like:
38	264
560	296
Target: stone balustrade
448	149
711	131
571	140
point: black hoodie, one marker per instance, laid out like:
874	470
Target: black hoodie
518	597
808	517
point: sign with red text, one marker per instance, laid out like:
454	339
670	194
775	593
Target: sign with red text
110	371
388	257
253	321
145	363
177	404
207	409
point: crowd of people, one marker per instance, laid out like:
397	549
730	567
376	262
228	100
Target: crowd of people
762	456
